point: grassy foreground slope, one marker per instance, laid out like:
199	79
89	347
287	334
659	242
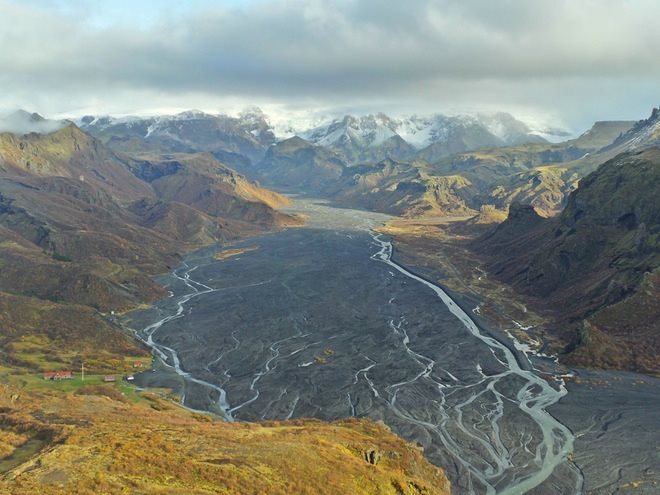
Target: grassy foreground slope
90	444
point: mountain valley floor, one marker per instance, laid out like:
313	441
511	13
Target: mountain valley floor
308	323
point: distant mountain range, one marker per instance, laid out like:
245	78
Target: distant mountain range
443	163
359	138
233	139
370	137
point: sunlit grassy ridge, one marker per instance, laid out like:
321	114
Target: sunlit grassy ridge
106	444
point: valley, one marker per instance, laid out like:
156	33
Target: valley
415	310
300	247
319	322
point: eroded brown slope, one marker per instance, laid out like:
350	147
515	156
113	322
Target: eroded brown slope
202	182
91	231
81	233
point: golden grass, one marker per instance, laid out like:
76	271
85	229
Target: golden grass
103	445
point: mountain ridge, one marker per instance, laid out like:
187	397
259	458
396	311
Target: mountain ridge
596	265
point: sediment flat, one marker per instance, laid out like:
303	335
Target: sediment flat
314	322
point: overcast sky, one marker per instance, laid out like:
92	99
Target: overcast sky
571	61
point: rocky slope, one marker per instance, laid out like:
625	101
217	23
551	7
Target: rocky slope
242	140
72	154
541	174
538	174
596	266
390	186
202	182
495	158
643	134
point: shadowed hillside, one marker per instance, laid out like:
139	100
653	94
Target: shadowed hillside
596	265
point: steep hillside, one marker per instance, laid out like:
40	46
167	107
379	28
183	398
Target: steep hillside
69	153
296	164
202	182
390	186
538	173
80	233
402	188
644	134
42	335
542	175
597	265
362	139
76	244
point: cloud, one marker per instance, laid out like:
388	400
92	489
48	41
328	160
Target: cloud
21	122
548	54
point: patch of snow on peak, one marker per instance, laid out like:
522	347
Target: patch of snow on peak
364	131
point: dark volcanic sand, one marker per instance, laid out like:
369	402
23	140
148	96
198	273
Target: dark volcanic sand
309	325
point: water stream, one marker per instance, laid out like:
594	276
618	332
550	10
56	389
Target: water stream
321	322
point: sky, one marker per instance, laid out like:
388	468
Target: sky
565	62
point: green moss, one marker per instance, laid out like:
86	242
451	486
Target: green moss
61	257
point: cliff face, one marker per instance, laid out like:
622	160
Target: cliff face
598	261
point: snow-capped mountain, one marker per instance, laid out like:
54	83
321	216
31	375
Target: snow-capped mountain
367	131
360	137
364	138
419	131
643	134
247	134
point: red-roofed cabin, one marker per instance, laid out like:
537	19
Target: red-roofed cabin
137	364
58	375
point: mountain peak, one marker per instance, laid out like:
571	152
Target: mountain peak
27	116
191	114
292	145
645	133
23	122
520	212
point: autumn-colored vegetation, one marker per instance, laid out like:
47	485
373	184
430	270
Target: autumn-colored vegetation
97	444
